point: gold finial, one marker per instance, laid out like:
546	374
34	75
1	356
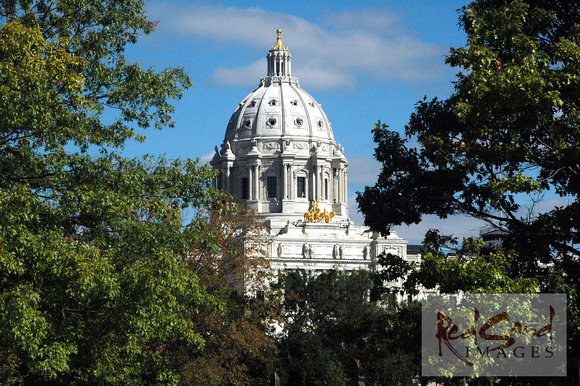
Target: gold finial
279	45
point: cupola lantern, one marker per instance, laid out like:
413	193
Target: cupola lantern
279	59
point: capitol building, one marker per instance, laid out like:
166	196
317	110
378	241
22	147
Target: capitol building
279	157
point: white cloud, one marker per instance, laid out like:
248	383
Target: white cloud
240	76
457	226
542	205
363	170
353	212
204	159
370	42
377	19
323	77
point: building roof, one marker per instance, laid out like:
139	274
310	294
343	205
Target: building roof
279	107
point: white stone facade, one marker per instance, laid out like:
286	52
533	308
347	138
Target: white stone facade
320	246
279	155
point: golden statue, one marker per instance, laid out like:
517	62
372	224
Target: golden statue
315	215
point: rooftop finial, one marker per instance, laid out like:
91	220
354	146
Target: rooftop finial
279	45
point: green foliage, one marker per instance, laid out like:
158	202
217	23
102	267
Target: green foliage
98	32
472	269
230	258
511	129
329	322
93	301
96	277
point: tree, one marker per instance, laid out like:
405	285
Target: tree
96	283
448	268
329	322
97	32
229	255
509	130
111	302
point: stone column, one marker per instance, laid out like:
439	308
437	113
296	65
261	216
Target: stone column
306	186
335	185
345	186
313	174
323	184
318	182
291	188
339	185
228	183
285	181
256	182
250	185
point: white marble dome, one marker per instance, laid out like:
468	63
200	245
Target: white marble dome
279	108
279	152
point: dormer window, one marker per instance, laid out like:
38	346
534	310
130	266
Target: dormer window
252	104
247	123
299	122
294	102
272	121
320	124
274	102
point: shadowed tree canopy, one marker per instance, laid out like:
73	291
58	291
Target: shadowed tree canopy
508	136
329	322
508	132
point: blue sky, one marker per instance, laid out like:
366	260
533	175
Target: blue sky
363	61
